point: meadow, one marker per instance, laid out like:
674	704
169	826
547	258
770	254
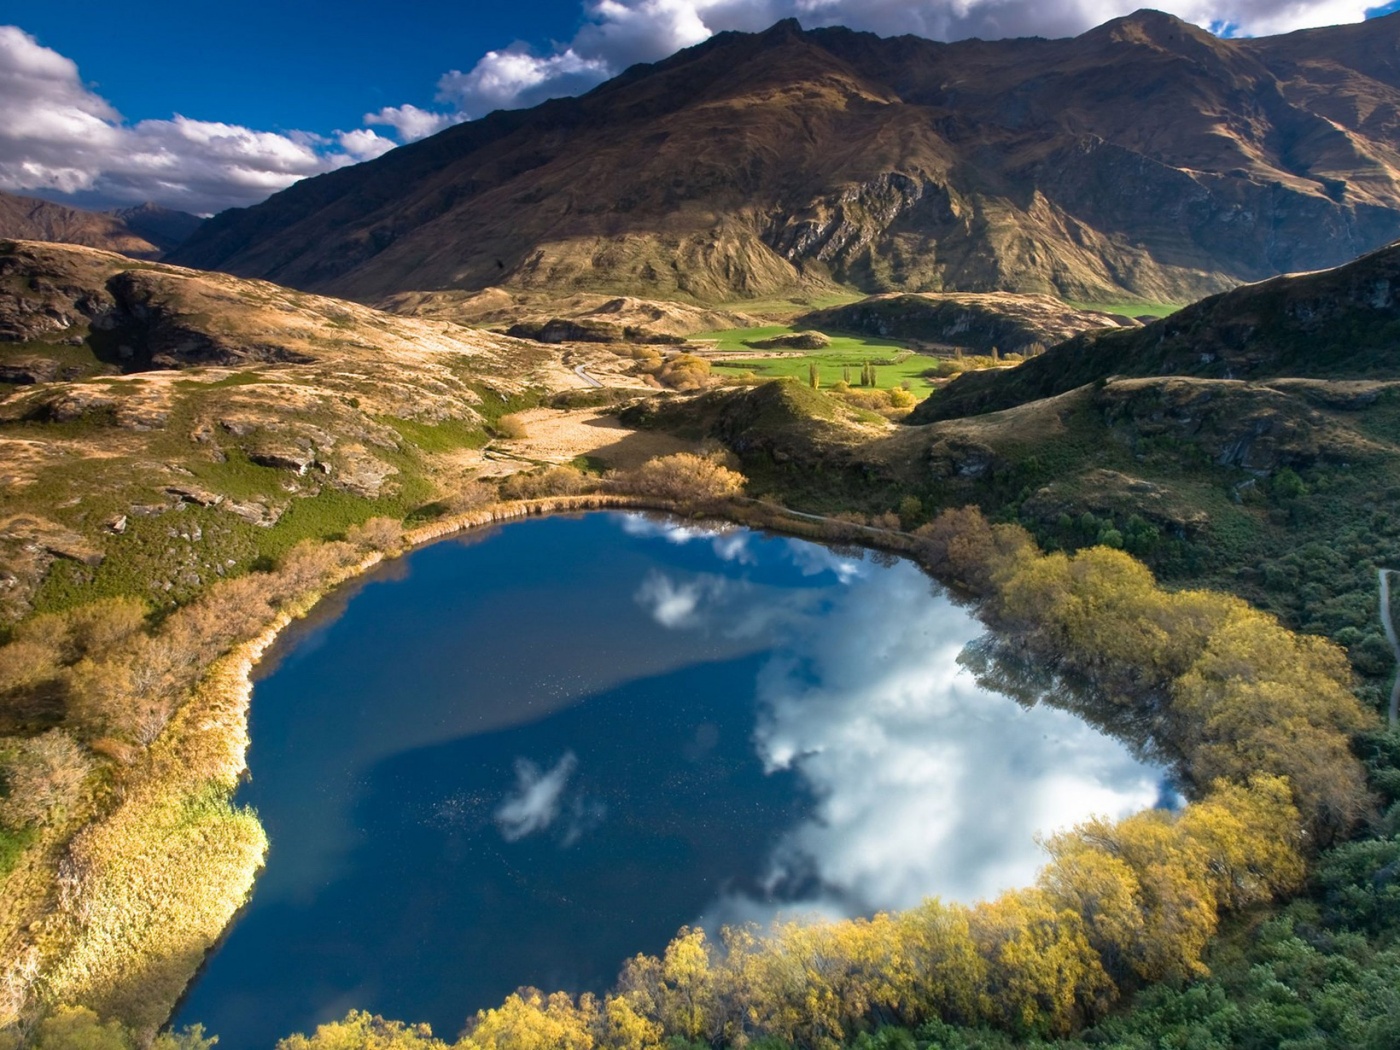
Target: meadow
894	363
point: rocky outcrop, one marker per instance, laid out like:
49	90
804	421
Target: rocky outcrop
585	330
793	341
1016	324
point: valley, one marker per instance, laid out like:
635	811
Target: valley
781	550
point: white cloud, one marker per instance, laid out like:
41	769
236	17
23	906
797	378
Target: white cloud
412	123
515	78
813	560
364	144
57	135
619	33
730	543
536	800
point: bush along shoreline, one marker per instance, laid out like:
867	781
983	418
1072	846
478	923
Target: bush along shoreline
116	891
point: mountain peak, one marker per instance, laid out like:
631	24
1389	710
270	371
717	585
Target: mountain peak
1151	27
786	29
755	164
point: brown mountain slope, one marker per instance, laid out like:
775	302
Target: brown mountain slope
29	218
164	227
1340	324
1145	158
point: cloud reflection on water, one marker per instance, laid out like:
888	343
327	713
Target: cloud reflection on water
927	782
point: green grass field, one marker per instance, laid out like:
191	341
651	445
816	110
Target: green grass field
894	363
1131	309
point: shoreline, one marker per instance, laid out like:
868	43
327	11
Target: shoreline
148	889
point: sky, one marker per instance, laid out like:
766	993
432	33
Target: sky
204	106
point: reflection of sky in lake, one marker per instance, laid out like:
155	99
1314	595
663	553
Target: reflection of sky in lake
926	783
522	760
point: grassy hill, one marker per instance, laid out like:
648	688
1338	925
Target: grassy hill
1336	324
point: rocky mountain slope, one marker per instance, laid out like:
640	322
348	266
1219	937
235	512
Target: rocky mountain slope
165	228
146	231
760	162
160	427
1336	324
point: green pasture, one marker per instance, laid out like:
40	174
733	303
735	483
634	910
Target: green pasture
894	363
1130	309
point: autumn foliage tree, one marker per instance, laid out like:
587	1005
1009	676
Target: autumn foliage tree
683	477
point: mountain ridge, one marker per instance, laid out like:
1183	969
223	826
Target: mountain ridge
144	231
757	163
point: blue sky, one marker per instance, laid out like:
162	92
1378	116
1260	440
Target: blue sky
281	64
203	106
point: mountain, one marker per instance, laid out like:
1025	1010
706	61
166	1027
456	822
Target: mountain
1336	324
146	231
29	218
165	228
1145	159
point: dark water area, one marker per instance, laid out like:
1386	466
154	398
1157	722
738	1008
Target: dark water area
524	757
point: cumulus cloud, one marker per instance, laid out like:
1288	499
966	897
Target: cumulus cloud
535	803
364	144
58	136
619	33
412	123
926	783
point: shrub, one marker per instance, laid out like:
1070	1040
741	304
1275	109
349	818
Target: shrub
683	477
377	534
308	565
473	495
512	427
26	662
552	481
44	775
684	372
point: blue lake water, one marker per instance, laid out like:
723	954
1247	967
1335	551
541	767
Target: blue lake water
524	756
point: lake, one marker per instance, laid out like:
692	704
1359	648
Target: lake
520	757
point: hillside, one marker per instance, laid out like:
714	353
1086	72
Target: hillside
1336	324
146	231
1015	324
1250	442
753	164
159	425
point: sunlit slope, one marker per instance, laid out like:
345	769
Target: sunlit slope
1144	160
161	427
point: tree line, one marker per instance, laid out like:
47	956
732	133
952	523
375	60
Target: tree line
1262	720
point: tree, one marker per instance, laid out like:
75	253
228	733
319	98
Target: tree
45	776
1043	977
363	1031
531	1020
78	1028
934	969
625	1028
683	477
